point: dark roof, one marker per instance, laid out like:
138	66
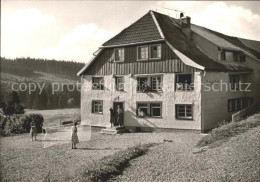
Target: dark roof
156	26
173	34
227	42
142	30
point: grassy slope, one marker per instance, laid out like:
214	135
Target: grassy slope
235	160
229	130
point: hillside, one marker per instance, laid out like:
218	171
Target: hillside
41	84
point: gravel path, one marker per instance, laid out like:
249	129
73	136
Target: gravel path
23	160
235	160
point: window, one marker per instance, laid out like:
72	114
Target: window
149	109
184	82
142	84
183	111
97	106
119	55
142	53
242	58
151	83
223	55
142	109
156	83
234	82
156	110
235	56
97	83
238	104
155	51
119	83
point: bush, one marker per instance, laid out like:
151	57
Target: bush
38	118
16	124
12	125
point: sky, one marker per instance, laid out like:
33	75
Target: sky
74	30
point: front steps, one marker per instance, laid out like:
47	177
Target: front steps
112	130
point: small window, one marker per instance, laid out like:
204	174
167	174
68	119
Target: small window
142	53
234	82
97	106
97	83
119	83
184	82
149	109
156	110
155	51
119	55
183	111
242	58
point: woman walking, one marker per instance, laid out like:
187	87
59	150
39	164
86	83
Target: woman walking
74	136
33	130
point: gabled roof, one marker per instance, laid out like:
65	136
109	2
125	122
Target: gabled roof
154	26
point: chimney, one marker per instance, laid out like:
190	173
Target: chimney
185	25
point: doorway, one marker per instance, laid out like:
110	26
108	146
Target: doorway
115	106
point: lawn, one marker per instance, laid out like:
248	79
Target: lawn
237	159
23	160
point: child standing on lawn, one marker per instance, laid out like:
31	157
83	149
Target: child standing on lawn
74	136
33	130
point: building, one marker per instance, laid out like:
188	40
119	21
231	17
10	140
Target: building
169	73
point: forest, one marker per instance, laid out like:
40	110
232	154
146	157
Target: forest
31	70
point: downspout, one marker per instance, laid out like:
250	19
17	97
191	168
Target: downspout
202	103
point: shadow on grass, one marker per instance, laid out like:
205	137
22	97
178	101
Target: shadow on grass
111	166
108	148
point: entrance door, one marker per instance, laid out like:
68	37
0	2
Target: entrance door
115	106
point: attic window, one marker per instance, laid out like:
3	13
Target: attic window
119	55
142	53
155	51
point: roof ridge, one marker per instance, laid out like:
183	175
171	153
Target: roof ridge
157	24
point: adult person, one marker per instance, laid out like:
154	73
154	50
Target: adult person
74	136
120	116
112	117
33	130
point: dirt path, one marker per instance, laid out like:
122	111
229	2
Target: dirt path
235	160
23	160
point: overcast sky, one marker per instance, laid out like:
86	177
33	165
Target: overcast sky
73	30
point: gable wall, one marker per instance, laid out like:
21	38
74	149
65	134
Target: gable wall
169	63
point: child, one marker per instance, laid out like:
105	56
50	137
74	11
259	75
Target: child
33	130
74	136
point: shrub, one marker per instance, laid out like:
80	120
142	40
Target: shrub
13	125
16	124
38	118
